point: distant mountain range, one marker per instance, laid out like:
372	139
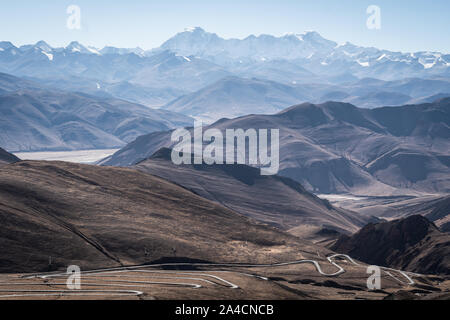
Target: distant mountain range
233	96
154	80
311	68
339	148
33	117
308	51
312	52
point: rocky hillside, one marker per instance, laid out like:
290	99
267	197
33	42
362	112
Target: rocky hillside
275	200
54	214
413	244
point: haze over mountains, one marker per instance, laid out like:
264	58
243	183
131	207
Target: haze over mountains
34	117
190	70
339	148
233	96
154	80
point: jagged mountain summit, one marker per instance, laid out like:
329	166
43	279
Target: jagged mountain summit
309	50
232	97
197	41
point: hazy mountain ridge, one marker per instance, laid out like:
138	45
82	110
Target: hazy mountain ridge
35	118
233	96
339	148
316	54
195	59
154	79
434	208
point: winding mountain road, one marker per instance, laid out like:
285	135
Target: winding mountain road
189	279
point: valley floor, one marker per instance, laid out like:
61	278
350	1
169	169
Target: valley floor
392	207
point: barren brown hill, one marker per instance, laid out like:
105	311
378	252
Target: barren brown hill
54	214
275	200
413	244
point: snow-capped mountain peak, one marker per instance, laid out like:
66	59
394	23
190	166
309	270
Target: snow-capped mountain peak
288	57
319	55
196	41
44	46
75	47
193	29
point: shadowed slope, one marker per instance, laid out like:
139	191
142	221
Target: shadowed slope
413	244
339	148
54	214
271	199
6	157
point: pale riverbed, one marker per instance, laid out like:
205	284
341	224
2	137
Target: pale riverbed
78	156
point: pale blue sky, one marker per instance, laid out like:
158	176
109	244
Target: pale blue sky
407	25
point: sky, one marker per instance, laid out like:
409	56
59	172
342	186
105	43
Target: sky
406	25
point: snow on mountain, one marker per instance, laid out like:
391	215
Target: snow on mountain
113	50
42	45
48	55
196	41
195	58
75	46
311	51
